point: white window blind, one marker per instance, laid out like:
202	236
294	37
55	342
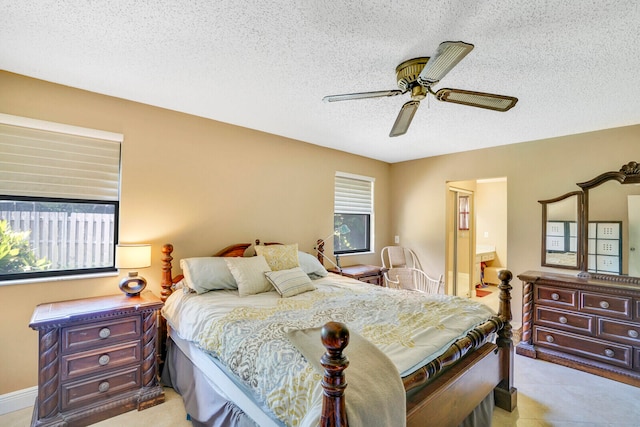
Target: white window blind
353	195
44	163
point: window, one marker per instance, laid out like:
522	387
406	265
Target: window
59	192
464	212
353	213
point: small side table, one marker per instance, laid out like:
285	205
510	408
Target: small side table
98	358
364	273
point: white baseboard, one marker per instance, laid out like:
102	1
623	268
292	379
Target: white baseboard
18	399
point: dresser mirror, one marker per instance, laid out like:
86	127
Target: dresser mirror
561	228
611	241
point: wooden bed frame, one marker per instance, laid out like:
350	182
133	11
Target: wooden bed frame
442	393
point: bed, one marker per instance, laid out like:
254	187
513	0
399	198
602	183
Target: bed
457	383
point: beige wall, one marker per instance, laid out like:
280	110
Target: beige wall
535	171
196	183
491	217
202	185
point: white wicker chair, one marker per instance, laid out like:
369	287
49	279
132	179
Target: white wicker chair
413	279
398	256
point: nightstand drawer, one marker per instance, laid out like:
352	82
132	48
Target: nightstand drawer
84	392
100	360
89	335
611	353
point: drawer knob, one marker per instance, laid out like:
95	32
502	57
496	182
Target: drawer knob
604	304
103	386
633	333
549	338
103	360
555	296
563	320
608	352
104	333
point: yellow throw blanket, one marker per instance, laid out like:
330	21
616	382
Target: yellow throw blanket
375	395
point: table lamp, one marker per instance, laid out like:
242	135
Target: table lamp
130	256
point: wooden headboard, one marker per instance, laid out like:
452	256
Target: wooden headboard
168	280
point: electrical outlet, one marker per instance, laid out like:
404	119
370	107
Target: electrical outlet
486	234
396	239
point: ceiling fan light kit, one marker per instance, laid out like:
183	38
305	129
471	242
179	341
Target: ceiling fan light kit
419	74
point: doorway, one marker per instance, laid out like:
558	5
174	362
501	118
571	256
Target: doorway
460	241
482	241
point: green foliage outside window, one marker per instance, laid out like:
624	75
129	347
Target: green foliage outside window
16	255
351	233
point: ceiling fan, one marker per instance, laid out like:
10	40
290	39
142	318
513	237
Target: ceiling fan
418	75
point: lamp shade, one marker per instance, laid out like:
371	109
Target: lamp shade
133	256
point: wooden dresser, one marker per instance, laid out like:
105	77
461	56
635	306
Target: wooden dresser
364	273
591	325
97	358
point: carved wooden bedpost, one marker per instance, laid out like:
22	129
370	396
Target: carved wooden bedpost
166	282
335	337
505	393
320	250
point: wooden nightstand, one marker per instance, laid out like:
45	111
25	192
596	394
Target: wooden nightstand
97	358
364	273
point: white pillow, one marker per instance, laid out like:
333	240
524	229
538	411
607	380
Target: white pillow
290	282
249	274
279	257
205	274
311	265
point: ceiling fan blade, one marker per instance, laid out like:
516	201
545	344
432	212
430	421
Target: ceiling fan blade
477	99
404	118
447	56
362	95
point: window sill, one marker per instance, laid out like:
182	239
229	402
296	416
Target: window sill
57	278
354	254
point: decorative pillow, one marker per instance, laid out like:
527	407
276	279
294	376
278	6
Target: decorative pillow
280	257
290	282
205	274
249	274
250	251
311	265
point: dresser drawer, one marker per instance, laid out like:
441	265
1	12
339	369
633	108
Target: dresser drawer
565	320
606	305
89	335
607	352
84	392
628	333
556	297
88	362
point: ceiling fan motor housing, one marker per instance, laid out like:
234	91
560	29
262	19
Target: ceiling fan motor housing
407	76
407	72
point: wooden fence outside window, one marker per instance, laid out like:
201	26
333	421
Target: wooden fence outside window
68	240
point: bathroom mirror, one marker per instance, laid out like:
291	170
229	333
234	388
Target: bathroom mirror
561	231
612	224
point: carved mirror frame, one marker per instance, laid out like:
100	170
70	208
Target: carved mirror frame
628	174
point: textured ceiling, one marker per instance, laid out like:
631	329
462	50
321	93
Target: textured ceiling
573	64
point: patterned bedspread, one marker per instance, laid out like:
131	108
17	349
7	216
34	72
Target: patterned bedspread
248	334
